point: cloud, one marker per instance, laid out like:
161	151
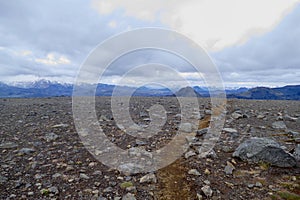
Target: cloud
272	58
52	59
252	42
214	24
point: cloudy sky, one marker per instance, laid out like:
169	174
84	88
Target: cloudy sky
252	42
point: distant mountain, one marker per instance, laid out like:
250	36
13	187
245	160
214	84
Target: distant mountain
291	92
36	89
45	88
187	92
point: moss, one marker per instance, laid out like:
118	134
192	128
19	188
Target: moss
44	191
126	185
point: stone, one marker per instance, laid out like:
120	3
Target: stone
260	116
49	137
199	196
61	126
206	171
84	176
230	130
201	132
149	178
194	172
53	190
297	152
26	151
128	196
30	193
265	150
258	184
3	179
294	134
279	125
207	191
289	118
8	145
189	154
186	127
56	175
236	115
229	168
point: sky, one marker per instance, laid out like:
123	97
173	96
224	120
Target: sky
252	42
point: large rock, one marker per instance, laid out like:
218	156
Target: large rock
279	125
265	150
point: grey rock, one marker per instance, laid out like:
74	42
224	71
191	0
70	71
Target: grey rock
128	196
8	145
189	154
49	137
56	175
61	126
26	151
194	172
260	116
130	168
279	125
230	130
289	118
229	168
266	150
186	127
53	190
149	178
84	176
258	184
294	134
3	179
297	152
108	189
207	191
210	154
201	132
236	115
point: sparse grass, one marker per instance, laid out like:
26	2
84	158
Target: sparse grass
264	166
288	196
290	185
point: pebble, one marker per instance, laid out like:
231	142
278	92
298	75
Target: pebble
201	132
186	127
207	191
149	178
206	171
229	168
26	151
194	172
128	196
189	154
84	176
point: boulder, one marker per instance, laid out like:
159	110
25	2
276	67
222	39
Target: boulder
264	150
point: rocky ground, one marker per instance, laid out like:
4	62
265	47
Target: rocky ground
42	156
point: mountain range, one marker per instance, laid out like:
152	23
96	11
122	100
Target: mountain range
45	88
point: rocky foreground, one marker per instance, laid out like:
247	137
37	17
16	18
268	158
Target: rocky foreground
256	157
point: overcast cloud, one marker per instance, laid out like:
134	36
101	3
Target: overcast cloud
252	42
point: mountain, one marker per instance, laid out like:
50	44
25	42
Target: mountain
291	92
45	88
187	92
36	89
